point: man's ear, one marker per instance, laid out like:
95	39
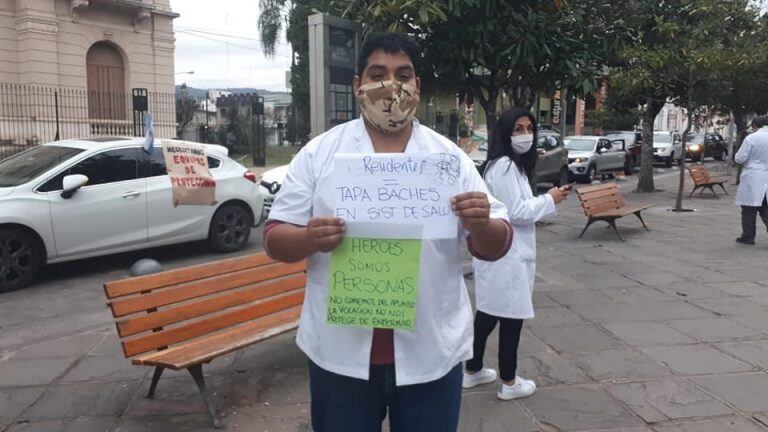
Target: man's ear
355	84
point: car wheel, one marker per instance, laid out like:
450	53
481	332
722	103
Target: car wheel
670	160
230	228
722	156
21	258
591	174
562	178
628	166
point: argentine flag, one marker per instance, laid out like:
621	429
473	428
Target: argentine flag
149	126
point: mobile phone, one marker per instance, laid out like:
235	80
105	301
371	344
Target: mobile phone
568	187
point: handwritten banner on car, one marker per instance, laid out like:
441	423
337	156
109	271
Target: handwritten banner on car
396	195
187	167
374	283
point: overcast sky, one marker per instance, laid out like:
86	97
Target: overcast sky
219	41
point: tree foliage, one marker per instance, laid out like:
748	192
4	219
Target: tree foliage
186	106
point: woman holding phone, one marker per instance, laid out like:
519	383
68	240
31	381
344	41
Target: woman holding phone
503	288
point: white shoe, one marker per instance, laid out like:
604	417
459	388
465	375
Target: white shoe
520	389
484	376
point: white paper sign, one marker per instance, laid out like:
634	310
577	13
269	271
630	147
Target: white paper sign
400	196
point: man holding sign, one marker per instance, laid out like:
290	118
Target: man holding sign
378	207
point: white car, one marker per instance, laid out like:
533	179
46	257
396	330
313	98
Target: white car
76	199
271	182
589	156
667	147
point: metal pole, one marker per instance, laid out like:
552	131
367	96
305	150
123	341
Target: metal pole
56	106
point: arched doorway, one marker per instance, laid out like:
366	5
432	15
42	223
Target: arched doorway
107	97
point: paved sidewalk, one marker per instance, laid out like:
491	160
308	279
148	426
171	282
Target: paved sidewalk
667	332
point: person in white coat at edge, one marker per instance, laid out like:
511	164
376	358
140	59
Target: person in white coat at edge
753	186
503	288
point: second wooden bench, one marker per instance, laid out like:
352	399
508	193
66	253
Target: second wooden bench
702	180
605	203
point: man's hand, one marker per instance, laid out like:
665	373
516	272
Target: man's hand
325	234
473	209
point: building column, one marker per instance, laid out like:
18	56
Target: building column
579	120
37	30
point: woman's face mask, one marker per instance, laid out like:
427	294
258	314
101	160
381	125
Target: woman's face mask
388	105
522	143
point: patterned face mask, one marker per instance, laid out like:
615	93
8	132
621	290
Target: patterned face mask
388	105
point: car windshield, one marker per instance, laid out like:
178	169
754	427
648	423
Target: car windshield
27	165
580	144
662	139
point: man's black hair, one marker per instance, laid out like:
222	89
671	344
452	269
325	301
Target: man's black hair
390	43
760	121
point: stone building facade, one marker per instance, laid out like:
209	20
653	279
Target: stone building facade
92	53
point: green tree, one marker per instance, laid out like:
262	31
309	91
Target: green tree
487	47
186	106
648	72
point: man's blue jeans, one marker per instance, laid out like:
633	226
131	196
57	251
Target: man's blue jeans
344	404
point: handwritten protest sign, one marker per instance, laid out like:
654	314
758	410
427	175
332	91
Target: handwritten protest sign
191	180
374	283
397	195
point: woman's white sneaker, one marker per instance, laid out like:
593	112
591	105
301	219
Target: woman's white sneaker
520	389
484	376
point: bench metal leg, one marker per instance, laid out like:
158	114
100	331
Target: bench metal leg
639	216
197	373
695	188
724	189
612	223
589	222
155	378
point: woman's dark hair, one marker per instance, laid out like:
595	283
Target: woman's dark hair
390	43
501	143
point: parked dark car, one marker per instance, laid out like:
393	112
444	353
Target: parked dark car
552	166
703	145
632	145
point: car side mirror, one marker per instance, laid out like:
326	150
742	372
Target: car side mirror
600	149
71	184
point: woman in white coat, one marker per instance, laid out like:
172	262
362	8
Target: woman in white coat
753	185
503	288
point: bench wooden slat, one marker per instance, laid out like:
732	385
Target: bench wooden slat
213	323
624	211
610	199
601	208
202	287
135	325
600	193
209	347
173	277
589	189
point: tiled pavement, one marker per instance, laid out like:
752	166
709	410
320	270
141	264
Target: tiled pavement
667	332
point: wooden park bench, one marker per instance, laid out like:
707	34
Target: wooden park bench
604	203
184	318
703	181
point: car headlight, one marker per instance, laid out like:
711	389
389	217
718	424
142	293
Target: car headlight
695	147
580	160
